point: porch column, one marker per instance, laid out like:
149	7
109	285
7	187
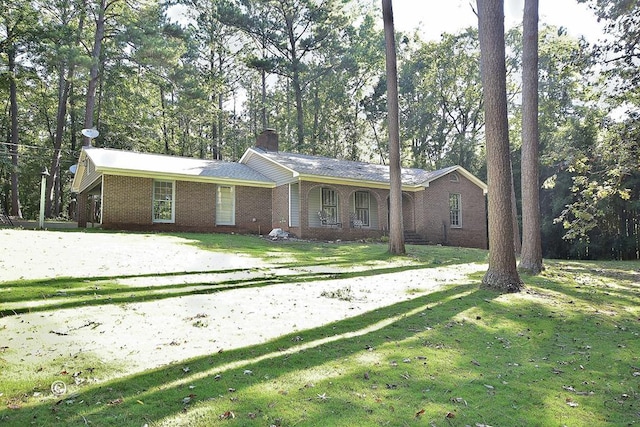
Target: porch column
344	208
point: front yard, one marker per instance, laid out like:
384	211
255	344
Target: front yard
303	333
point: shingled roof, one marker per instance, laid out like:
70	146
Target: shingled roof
120	162
326	167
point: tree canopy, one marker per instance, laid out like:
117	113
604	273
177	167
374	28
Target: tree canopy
203	79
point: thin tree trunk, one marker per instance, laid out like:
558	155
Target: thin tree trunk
54	186
163	123
16	211
502	274
396	229
220	116
316	120
95	67
297	89
531	258
52	207
263	101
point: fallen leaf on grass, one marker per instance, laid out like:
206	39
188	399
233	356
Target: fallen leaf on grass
227	416
116	401
13	405
450	415
188	398
571	403
420	412
459	400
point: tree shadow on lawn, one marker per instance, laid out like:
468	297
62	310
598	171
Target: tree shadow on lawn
457	356
160	393
95	291
593	283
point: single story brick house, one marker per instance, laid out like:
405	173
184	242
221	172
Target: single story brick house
312	197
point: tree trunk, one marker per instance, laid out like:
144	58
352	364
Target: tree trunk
54	186
517	241
163	122
502	274
13	109
396	229
52	207
297	89
93	73
295	81
531	258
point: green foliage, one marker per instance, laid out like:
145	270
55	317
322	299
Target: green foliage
603	215
442	101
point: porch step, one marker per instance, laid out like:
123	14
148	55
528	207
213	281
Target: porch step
413	238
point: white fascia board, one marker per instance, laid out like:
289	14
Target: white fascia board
355	182
181	177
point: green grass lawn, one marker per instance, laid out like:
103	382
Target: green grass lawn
566	351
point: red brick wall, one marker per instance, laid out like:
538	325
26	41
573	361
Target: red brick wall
281	207
127	200
127	205
253	210
195	204
426	212
435	205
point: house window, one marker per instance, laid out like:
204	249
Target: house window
454	177
362	205
163	206
225	205
330	204
455	213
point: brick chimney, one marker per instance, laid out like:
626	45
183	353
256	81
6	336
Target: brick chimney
268	140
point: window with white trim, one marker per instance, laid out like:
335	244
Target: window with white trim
455	211
163	206
362	204
330	204
225	205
